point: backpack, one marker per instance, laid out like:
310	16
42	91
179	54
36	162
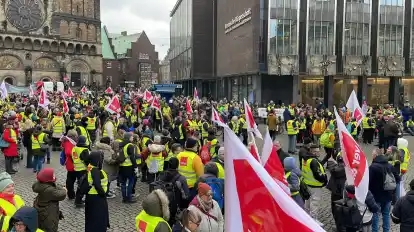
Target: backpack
348	214
390	184
217	187
324	141
62	157
205	154
304	190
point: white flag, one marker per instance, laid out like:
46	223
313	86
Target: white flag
353	105
3	90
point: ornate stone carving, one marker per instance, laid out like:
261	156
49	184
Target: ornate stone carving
283	65
25	15
391	66
357	65
10	62
46	64
321	65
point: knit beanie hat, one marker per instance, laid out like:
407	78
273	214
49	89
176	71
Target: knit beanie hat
46	175
203	189
157	139
173	163
5	180
190	143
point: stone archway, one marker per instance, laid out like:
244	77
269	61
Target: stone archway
79	72
46	79
9	80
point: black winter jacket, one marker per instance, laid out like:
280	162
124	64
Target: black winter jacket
403	212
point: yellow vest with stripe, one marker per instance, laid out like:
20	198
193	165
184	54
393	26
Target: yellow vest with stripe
291	130
180	129
134	118
158	158
147	223
166	110
127	161
85	133
6	223
221	172
406	159
287	175
78	164
104	182
138	152
355	131
243	122
105	133
37	142
8	208
235	126
144	143
185	167
213	144
58	123
13	135
91	124
307	174
365	124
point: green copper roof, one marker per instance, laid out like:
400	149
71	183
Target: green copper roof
123	43
107	52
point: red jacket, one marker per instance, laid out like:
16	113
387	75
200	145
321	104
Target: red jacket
10	151
67	148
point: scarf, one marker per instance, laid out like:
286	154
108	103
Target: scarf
8	197
204	205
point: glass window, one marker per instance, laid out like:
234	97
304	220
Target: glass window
321	27
312	90
408	84
412	29
283	27
378	90
343	87
391	24
357	25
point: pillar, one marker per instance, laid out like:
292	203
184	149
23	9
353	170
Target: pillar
362	89
328	84
394	91
296	89
257	87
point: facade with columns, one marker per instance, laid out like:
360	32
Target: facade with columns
50	40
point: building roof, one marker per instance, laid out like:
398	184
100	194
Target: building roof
107	52
122	43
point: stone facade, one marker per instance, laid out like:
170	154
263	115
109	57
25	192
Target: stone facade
62	40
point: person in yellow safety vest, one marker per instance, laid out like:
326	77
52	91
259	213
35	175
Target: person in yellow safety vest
176	149
80	155
127	168
405	156
293	176
155	214
315	178
219	160
134	117
154	157
145	107
96	205
318	127
58	127
109	128
368	126
354	129
7	189
235	125
38	140
213	143
291	109
302	129
243	128
327	142
22	220
91	126
191	166
128	112
166	112
81	130
293	130
102	103
158	120
270	106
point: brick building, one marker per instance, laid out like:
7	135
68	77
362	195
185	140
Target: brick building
129	60
60	38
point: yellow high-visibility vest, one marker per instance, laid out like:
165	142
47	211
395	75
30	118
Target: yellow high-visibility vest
78	164
127	161
307	174
147	223
36	142
8	208
91	123
104	182
58	124
185	167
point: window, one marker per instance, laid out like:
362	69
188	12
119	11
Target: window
391	27
108	64
356	29
78	33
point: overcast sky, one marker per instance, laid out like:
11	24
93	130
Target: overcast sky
151	16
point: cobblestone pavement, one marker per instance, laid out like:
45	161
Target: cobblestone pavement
122	217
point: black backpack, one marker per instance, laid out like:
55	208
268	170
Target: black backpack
348	214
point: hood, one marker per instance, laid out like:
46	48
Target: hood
402	143
36	132
289	163
380	159
81	141
211	168
39	187
410	196
103	146
156	204
156	148
95	158
28	215
169	175
297	171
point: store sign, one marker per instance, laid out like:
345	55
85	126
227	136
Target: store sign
238	21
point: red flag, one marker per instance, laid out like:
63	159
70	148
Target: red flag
156	104
70	93
109	90
215	117
84	90
253	200
65	106
188	106
114	106
251	125
253	151
356	165
147	95
43	101
196	95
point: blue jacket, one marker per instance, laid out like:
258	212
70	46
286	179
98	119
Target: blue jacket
377	172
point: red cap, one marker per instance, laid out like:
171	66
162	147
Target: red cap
46	175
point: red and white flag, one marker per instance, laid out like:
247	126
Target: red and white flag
364	108
253	150
156	104
43	100
147	96
188	106
65	106
31	92
253	200
356	165
64	95
114	107
251	125
109	90
353	105
272	163
70	93
196	95
84	89
215	117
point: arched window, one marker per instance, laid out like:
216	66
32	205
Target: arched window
78	33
